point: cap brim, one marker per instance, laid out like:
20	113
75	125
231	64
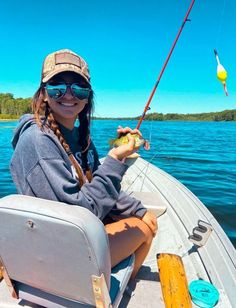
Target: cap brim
62	69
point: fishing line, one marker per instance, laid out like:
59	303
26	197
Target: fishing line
218	38
150	142
141	172
150	130
221	71
145	175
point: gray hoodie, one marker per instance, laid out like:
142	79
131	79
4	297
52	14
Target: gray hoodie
40	167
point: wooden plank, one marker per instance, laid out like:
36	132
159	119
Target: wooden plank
173	281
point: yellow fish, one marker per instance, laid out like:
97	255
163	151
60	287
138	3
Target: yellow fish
139	141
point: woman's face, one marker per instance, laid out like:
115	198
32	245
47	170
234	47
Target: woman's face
67	108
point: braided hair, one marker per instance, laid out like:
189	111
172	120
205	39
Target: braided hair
45	119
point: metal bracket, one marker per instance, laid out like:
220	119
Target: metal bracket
201	233
1	270
8	280
100	291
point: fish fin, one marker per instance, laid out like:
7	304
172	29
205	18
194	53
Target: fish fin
111	142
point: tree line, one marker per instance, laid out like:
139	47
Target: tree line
226	115
13	108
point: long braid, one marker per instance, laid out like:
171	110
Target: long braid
54	127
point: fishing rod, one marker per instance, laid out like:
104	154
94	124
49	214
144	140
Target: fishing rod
165	64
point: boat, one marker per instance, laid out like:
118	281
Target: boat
186	229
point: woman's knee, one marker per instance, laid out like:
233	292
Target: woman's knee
147	232
133	227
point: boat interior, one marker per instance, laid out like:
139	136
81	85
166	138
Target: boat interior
41	267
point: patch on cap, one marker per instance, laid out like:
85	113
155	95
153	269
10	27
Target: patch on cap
67	58
62	61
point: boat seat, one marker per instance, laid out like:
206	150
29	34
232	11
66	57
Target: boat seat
57	255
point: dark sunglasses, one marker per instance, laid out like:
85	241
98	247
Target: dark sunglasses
58	90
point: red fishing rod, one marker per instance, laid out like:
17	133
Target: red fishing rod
165	64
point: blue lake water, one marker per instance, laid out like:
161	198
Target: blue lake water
201	155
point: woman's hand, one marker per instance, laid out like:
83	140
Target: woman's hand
121	152
151	221
125	130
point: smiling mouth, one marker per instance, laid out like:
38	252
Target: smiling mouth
67	104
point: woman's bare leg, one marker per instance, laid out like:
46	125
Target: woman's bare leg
128	236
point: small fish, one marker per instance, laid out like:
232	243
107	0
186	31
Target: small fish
139	141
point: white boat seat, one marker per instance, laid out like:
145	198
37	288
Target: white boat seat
57	255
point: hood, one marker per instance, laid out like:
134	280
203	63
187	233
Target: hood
24	123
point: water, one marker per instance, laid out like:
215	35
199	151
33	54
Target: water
201	155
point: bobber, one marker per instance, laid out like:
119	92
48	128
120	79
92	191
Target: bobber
221	72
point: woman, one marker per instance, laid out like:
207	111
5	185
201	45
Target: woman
55	160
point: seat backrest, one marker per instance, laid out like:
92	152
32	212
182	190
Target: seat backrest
53	246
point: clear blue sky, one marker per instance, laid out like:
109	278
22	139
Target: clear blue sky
125	43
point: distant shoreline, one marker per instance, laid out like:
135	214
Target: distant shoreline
125	119
220	116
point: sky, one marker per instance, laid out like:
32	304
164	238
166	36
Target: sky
125	43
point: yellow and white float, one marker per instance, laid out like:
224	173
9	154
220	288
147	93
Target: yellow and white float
221	73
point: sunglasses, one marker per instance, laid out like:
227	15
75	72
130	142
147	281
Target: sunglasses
58	90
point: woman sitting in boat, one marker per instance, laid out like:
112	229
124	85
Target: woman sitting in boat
56	160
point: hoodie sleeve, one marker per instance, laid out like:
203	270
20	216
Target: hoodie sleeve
127	206
51	179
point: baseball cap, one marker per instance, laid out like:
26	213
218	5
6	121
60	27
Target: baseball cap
64	60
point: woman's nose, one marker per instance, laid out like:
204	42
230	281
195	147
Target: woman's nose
68	95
